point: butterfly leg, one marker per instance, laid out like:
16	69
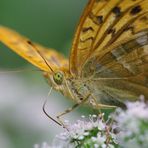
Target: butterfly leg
66	112
99	106
69	110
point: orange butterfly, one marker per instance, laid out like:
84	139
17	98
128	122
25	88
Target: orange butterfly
109	57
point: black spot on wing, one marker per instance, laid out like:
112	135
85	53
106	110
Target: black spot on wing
100	19
96	19
127	28
29	42
117	11
111	31
135	10
85	29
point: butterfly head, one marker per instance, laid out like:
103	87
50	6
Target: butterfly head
58	81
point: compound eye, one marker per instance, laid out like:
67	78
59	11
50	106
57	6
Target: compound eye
58	78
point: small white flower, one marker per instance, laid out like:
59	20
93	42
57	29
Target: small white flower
101	125
86	133
94	139
81	137
96	145
104	146
101	139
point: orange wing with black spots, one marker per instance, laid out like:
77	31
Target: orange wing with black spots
104	23
22	47
110	49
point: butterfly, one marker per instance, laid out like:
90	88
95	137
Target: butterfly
108	62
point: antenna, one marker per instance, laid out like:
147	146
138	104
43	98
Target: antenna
47	113
32	45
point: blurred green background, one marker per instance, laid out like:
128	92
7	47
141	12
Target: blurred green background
51	23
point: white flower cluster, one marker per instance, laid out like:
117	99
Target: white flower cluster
129	128
133	124
93	133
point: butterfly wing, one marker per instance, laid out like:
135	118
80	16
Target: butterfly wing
21	46
103	23
110	49
122	72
